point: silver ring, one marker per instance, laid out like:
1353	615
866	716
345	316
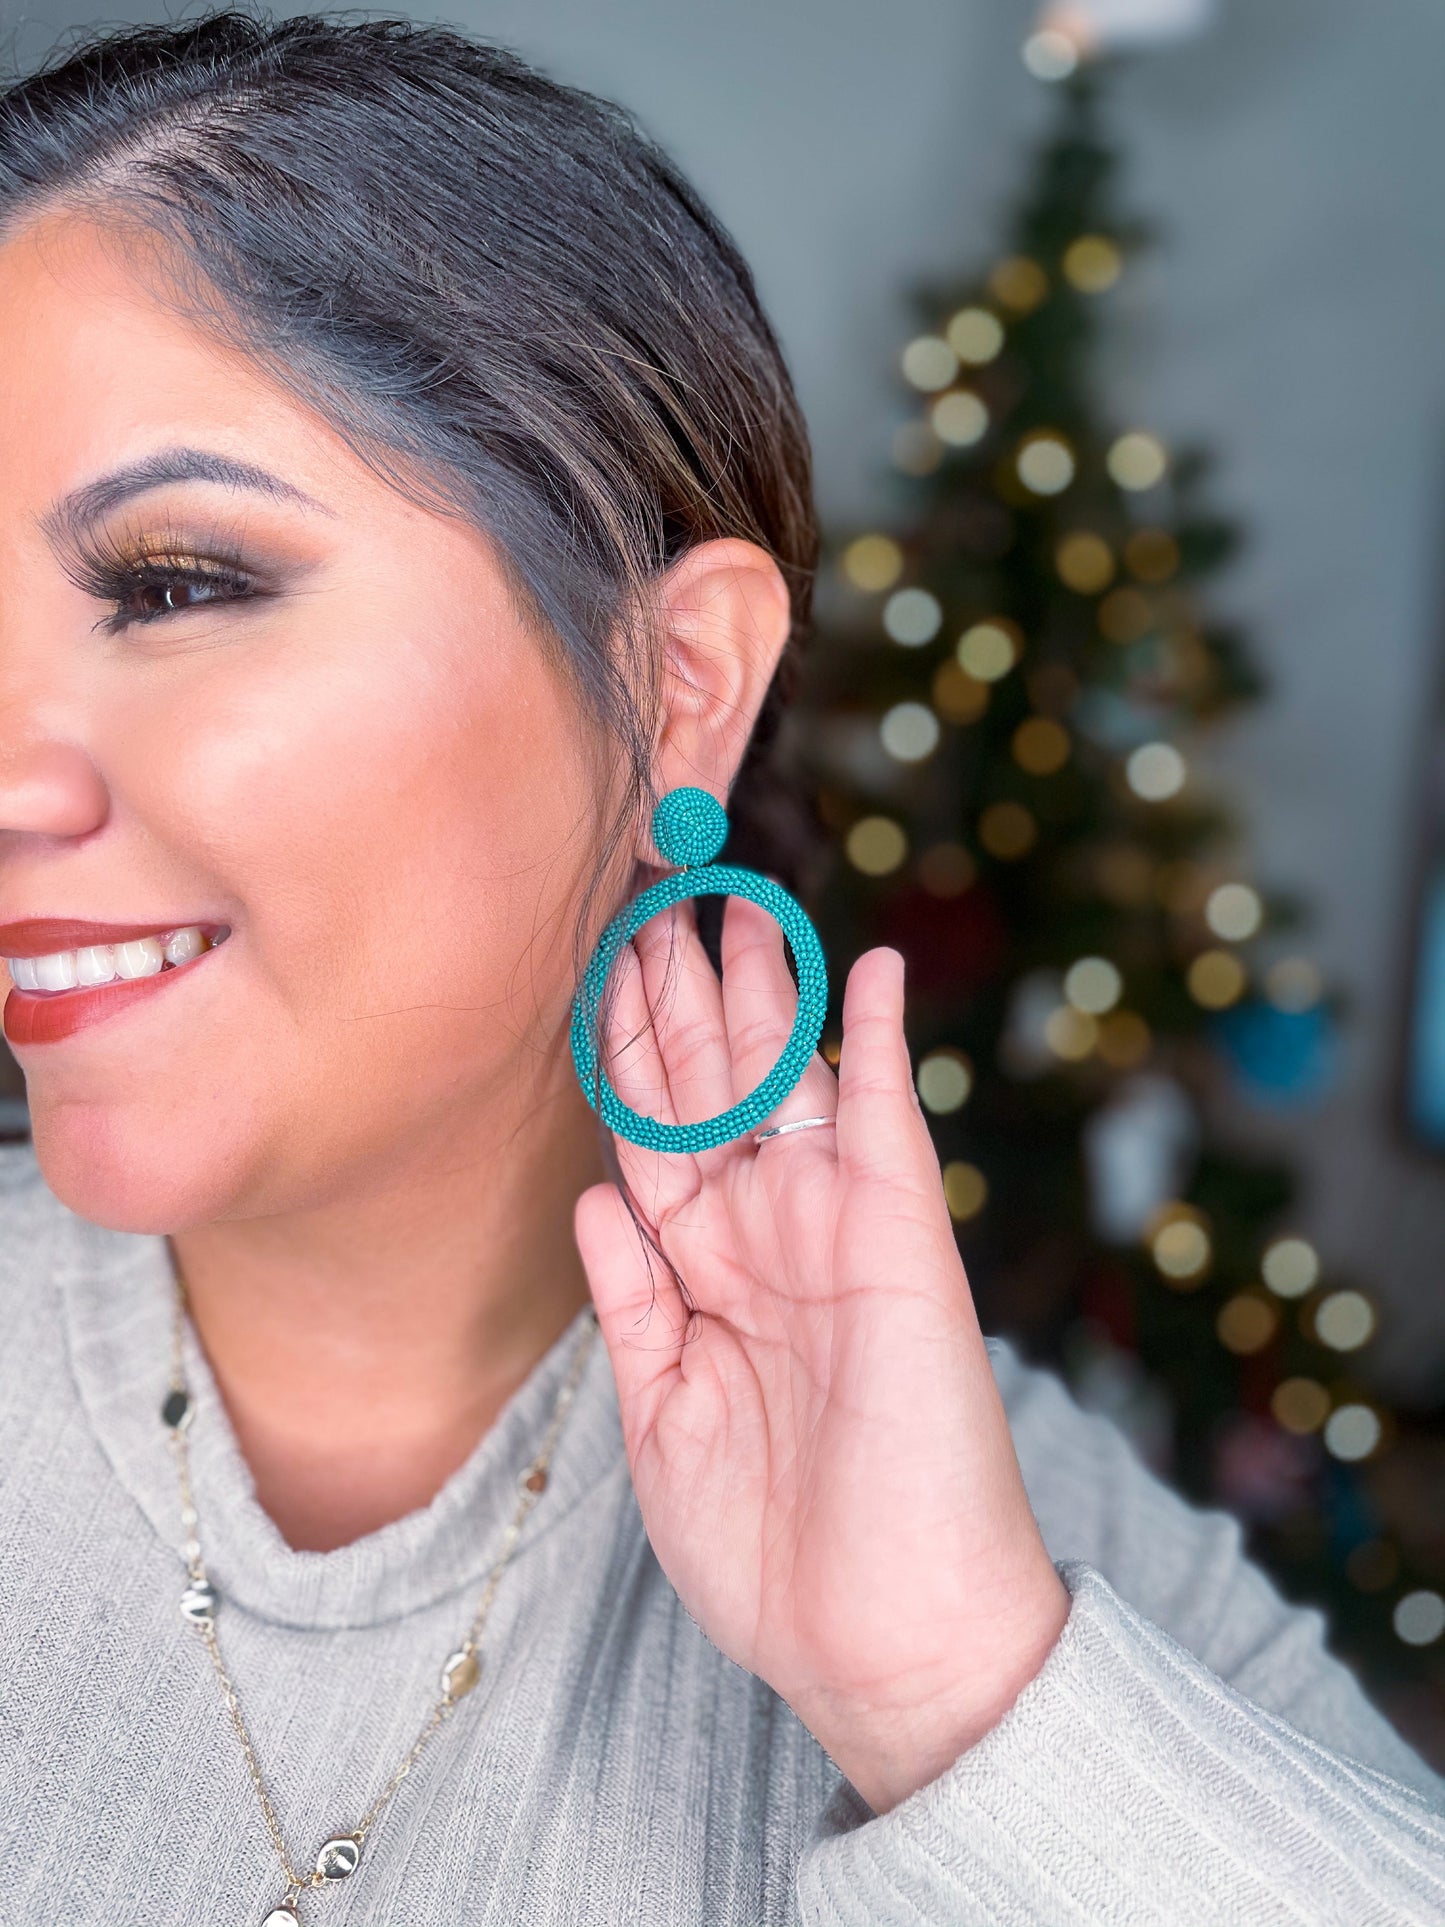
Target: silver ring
799	1124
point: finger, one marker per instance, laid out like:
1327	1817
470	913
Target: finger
686	1001
760	1002
662	1181
881	1130
639	1308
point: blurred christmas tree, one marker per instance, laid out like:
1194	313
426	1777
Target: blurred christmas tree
998	723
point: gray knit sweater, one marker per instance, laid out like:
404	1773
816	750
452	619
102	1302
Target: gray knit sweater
1189	1754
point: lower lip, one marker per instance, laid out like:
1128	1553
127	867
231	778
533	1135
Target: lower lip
44	1017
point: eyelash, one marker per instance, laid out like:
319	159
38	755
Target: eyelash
114	574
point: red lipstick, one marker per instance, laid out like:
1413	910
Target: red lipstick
45	1016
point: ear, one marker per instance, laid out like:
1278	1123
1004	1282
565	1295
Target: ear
725	613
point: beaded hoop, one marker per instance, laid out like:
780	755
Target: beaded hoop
689	827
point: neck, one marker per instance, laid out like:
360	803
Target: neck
363	1347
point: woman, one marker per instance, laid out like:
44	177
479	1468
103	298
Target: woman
403	490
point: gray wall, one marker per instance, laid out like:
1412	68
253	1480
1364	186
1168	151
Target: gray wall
1295	158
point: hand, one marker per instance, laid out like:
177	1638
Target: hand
821	1457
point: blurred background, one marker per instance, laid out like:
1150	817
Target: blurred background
1118	329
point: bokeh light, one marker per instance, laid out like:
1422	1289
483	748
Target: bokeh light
873	563
1246	1323
988	650
1352	1432
944	1080
1344	1321
1291	1267
929	363
1007	831
876	845
909	732
975	336
1019	283
1050	55
1419	1617
1093	263
1137	460
959	418
1124	615
1293	983
912	616
1085	563
1045	463
1155	771
1040	745
1182	1250
1216	979
957	696
1093	985
1151	554
1124	1039
1233	911
1300	1404
1070	1034
965	1189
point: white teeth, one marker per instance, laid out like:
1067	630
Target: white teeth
102	963
142	957
56	972
184	945
95	965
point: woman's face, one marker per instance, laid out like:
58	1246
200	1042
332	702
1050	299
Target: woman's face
349	750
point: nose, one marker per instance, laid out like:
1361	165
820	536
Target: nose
48	786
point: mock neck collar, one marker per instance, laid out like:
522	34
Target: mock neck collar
117	1291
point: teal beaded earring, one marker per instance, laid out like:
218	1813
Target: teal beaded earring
689	827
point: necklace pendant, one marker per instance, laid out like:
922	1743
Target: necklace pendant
199	1602
460	1674
338	1858
282	1917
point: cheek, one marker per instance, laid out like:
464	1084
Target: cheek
395	829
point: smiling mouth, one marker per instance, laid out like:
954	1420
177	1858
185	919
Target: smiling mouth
94	967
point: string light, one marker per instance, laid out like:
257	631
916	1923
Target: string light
1293	983
975	336
1045	463
1344	1321
873	563
957	696
1007	831
1352	1432
1300	1404
1246	1323
1216	979
1151	554
988	650
909	732
1070	1034
912	616
1040	745
1181	1249
1124	615
1124	1039
965	1189
1233	911
1419	1617
1137	460
1155	771
1092	263
1050	55
929	363
1085	563
1291	1266
1019	283
945	1078
876	845
959	418
1093	985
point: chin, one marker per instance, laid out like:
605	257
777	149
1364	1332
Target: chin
112	1171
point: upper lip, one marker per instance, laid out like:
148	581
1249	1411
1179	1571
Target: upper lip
42	936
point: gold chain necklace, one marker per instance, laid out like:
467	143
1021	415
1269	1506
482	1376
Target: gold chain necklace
341	1854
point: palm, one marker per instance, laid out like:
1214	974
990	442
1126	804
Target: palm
819	1453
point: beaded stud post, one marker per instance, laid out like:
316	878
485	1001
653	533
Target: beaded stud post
689	827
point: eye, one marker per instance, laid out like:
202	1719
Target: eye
151	590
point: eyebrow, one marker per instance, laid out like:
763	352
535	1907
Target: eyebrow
72	514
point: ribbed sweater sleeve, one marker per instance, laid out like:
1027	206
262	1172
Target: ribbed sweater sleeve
1189	1755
